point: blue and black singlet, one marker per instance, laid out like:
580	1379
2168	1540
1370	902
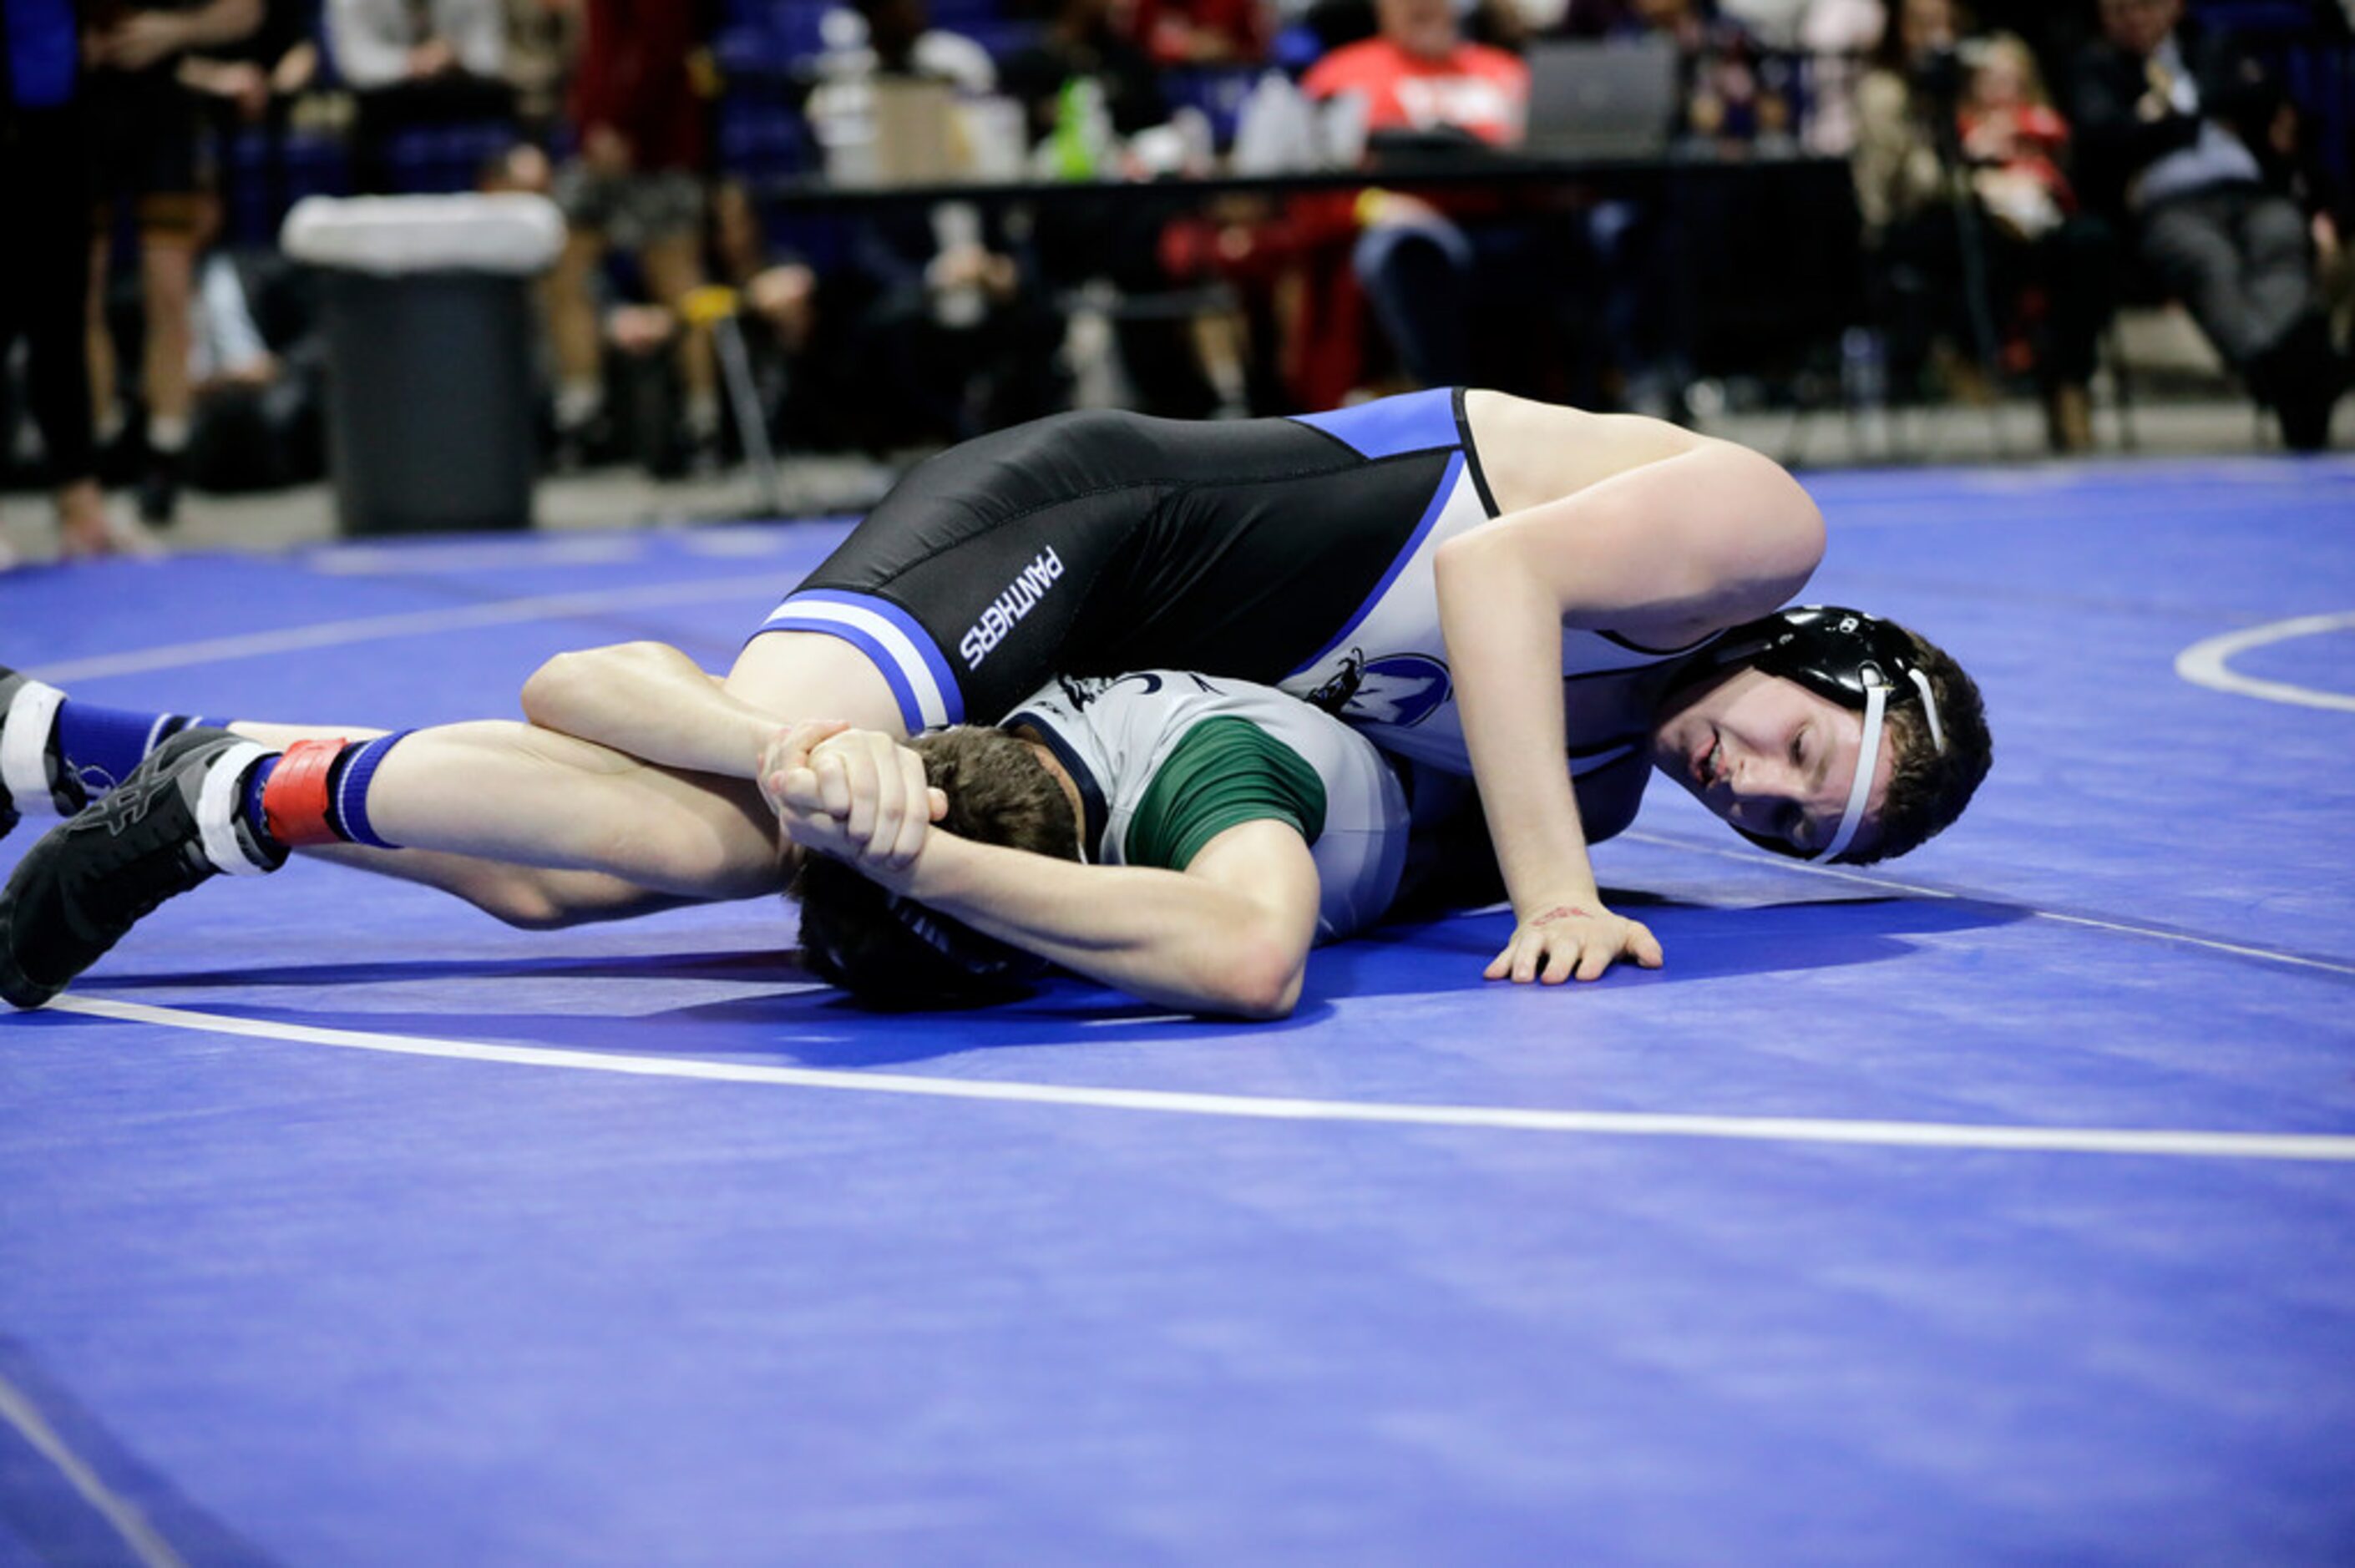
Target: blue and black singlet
1296	552
1096	542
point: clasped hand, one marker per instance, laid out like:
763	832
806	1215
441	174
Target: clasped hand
855	795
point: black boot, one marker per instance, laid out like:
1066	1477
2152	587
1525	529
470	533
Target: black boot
81	888
2302	377
159	489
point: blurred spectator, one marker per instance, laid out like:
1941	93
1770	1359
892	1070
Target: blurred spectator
1778	23
412	63
1944	128
955	329
2015	141
2054	34
543	36
143	142
896	37
45	265
1641	248
1422	262
1112	239
1417	75
1836	34
1082	43
1899	169
257	371
805	390
1726	100
2172	119
250	86
1201	32
636	185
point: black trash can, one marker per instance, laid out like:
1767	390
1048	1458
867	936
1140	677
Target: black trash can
430	380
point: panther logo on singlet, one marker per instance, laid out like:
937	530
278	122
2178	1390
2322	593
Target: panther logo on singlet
1006	610
1400	689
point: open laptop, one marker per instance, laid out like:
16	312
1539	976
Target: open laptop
1603	100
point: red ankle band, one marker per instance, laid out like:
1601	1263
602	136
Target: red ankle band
294	802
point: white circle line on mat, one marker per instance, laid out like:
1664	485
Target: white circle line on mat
2195	1144
2208	662
18	1411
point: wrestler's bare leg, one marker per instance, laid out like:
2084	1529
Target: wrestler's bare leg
654	701
544	829
525	796
530	897
533	898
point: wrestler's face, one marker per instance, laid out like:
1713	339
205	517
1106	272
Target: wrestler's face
1771	758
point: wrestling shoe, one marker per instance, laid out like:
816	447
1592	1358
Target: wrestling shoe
30	762
166	828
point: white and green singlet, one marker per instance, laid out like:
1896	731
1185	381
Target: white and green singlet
1166	761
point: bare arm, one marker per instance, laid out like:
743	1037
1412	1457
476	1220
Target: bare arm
142	37
653	701
1663	554
222	22
1230	934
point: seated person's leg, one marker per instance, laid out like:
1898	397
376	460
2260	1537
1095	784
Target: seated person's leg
167	249
2280	266
674	269
568	293
2189	247
1418	277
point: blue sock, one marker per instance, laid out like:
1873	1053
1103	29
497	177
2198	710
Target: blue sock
347	786
250	812
348	811
101	745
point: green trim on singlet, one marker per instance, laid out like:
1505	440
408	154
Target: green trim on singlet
1226	771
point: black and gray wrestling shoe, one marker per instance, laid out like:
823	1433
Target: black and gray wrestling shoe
170	825
30	764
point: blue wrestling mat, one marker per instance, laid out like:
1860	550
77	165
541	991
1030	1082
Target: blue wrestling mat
1997	1205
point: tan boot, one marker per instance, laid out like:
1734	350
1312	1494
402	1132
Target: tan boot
2069	418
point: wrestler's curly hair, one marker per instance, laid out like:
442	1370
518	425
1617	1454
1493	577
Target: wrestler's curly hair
894	953
1928	787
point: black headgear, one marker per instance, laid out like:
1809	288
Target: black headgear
912	957
1847	657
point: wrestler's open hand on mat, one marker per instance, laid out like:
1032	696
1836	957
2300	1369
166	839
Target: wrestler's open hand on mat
855	794
1565	939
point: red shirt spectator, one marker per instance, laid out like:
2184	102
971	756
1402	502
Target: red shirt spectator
1470	87
1201	32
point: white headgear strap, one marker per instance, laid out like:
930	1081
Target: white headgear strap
1876	705
1930	708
